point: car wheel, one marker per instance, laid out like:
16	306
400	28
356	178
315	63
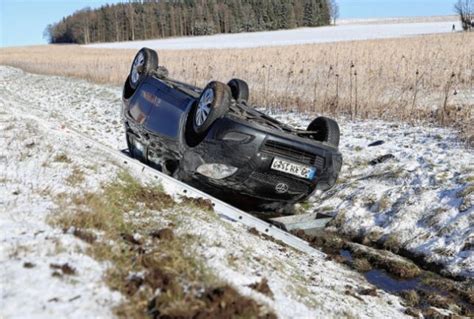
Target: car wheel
326	130
145	62
239	89
212	104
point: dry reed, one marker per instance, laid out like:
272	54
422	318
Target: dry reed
427	78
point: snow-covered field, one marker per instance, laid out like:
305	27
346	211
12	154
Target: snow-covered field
343	32
421	200
40	153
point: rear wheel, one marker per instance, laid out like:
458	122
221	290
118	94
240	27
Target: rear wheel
239	89
145	62
212	104
325	130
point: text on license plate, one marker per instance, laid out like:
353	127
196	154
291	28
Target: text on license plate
299	170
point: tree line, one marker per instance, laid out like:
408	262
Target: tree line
150	19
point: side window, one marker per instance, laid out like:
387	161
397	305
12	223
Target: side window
167	115
142	103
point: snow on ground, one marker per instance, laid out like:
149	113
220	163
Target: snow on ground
343	32
35	168
422	199
40	155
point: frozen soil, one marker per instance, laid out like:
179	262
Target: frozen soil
44	160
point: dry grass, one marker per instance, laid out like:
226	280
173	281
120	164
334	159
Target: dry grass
420	78
62	158
76	177
159	276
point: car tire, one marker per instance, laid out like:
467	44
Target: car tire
213	103
327	130
144	63
239	89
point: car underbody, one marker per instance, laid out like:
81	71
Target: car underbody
213	139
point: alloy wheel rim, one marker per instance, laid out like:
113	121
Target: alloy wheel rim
139	61
204	107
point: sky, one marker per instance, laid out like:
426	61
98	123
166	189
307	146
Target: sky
22	22
394	8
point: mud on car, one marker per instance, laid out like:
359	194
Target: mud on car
211	138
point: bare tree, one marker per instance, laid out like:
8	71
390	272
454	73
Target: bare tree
48	33
85	13
334	10
465	10
131	12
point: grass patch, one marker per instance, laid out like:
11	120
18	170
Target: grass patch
362	265
63	269
156	270
392	243
411	298
469	189
305	206
365	258
398	267
467	198
62	158
384	203
76	177
262	287
198	202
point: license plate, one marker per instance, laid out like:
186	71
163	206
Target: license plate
292	168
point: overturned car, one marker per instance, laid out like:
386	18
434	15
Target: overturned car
214	140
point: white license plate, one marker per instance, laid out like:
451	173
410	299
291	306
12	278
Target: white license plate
295	169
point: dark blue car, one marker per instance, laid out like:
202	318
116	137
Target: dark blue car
212	139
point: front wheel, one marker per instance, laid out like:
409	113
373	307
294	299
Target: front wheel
325	130
213	103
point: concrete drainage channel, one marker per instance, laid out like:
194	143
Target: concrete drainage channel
224	210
